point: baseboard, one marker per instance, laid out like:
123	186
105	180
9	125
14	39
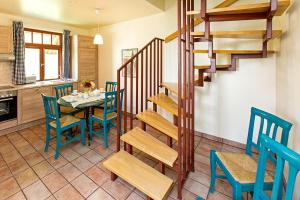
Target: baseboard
221	140
21	127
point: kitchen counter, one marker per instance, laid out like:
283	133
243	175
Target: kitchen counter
39	84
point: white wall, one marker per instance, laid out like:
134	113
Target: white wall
288	81
222	107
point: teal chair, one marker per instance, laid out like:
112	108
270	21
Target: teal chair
282	154
60	125
240	168
106	116
110	86
64	90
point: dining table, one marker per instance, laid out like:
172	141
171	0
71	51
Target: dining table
85	102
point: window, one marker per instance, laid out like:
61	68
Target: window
43	54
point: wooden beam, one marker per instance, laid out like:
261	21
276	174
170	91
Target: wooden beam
198	20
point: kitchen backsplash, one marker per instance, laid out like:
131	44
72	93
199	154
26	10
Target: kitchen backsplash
5	72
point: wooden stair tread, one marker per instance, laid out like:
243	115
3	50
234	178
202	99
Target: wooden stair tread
247	34
165	102
173	87
246	9
145	178
151	146
231	51
158	122
208	67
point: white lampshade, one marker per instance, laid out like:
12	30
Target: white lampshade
98	39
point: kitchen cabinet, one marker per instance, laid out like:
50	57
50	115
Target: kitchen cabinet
87	59
6	40
30	104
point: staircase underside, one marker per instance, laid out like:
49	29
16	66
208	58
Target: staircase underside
246	34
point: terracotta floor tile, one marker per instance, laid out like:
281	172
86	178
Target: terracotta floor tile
100	194
8	188
17	196
217	196
69	171
82	163
200	177
69	154
93	156
97	175
84	185
196	188
104	152
81	149
37	191
116	189
11	156
60	162
26	150
51	198
47	154
4	173
34	158
42	169
18	166
26	178
54	181
186	195
68	192
134	196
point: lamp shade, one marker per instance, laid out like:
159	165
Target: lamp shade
98	39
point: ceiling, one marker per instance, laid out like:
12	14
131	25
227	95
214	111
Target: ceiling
81	13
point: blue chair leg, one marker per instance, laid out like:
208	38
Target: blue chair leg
82	132
58	145
91	129
47	138
213	168
237	192
105	135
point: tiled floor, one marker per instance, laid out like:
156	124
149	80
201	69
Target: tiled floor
27	172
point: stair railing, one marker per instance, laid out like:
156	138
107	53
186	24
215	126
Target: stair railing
144	72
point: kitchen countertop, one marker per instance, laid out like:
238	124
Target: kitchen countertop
38	84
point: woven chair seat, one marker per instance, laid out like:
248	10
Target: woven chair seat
65	121
241	166
65	109
100	114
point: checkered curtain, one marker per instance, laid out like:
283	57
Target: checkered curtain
19	52
66	47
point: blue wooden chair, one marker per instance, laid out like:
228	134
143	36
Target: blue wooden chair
106	116
282	154
110	86
64	90
60	125
239	168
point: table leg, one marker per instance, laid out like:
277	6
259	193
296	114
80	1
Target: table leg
87	117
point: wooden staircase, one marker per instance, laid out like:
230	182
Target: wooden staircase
144	93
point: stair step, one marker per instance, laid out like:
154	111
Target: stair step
172	87
208	67
165	102
140	175
251	34
158	122
231	51
246	9
151	146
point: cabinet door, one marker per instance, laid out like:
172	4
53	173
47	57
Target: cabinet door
31	104
5	39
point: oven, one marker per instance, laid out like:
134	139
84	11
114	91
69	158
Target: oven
8	105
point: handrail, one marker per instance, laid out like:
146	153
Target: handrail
148	71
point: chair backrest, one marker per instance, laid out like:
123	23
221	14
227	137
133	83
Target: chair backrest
283	154
110	86
63	90
51	109
269	125
110	102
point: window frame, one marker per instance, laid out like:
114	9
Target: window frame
42	48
